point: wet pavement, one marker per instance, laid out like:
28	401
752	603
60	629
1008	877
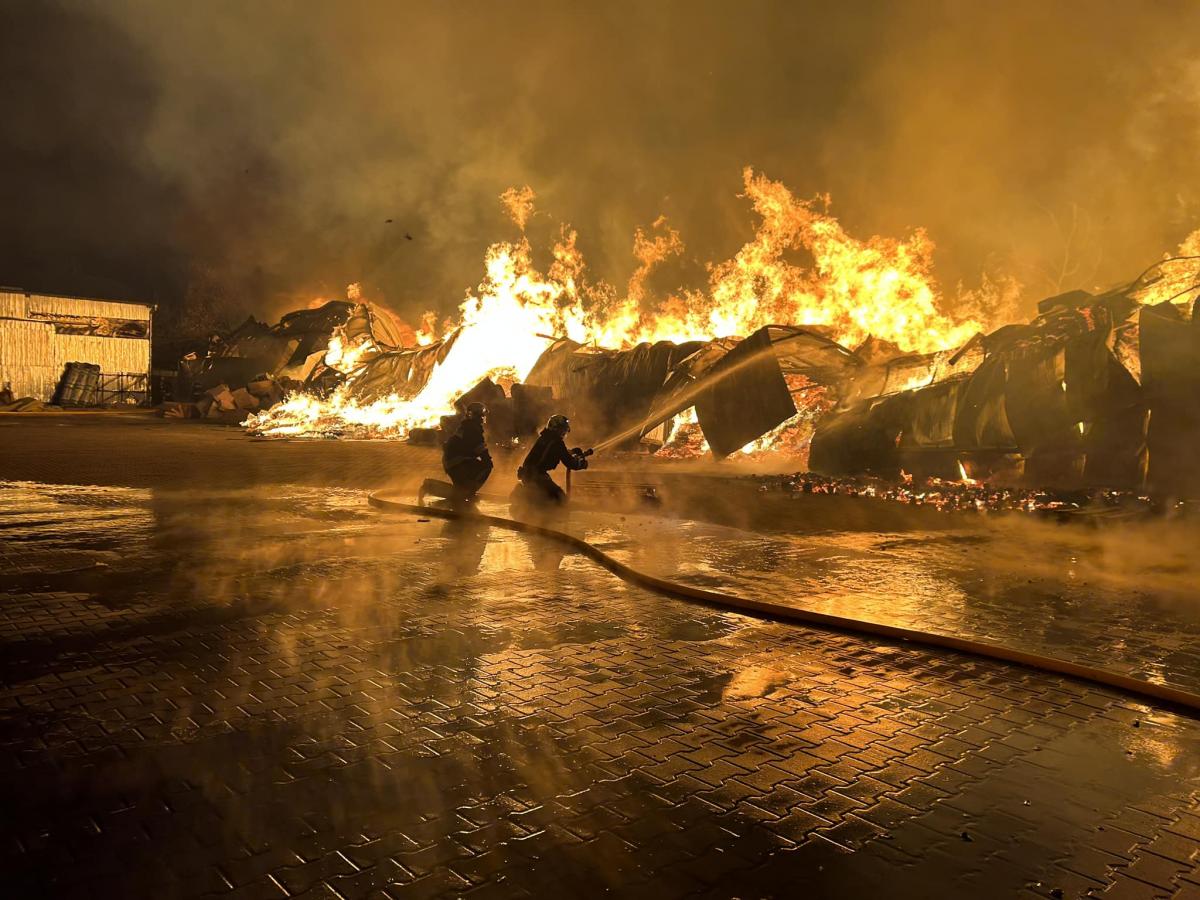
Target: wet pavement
1123	597
274	691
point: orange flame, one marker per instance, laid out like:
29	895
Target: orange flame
1178	277
881	287
519	204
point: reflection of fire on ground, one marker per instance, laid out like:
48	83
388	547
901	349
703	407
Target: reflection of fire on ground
755	681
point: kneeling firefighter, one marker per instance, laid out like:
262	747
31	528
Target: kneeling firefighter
465	455
547	452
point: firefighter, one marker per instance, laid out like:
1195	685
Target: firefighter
465	455
547	452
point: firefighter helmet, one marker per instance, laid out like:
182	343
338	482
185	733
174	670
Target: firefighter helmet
560	424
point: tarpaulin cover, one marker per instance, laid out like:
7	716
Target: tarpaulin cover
981	416
401	372
375	322
682	384
1170	360
799	351
1057	379
908	371
804	351
864	438
933	416
607	390
323	319
747	397
552	367
1170	346
1115	442
1051	390
1035	399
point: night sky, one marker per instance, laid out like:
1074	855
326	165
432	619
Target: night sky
148	148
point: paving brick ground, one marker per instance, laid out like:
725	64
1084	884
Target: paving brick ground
1124	598
277	692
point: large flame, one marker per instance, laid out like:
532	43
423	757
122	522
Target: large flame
1176	278
800	268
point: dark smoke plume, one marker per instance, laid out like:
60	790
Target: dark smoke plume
255	155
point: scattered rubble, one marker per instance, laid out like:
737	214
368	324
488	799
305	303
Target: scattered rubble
307	351
1096	390
27	404
971	496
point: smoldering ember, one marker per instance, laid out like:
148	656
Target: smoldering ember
557	450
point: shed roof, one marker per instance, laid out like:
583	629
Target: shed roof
9	289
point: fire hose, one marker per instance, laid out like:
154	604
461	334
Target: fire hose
1136	687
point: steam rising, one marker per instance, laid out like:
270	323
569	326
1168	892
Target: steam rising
267	145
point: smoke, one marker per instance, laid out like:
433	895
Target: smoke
286	150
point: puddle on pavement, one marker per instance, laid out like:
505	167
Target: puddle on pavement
1123	598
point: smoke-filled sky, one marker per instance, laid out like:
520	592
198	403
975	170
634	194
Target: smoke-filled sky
265	145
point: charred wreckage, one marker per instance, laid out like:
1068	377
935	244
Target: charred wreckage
1097	390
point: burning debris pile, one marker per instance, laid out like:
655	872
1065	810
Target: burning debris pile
310	352
1097	390
850	358
615	359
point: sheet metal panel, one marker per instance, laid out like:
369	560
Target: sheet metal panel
749	401
12	304
79	306
933	416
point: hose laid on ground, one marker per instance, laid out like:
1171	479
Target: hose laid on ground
1134	686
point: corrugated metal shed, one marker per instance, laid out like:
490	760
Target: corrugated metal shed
41	333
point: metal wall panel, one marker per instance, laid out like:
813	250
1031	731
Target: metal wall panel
12	304
748	401
77	306
32	354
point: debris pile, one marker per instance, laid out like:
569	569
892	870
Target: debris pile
26	404
226	405
1096	390
880	380
309	351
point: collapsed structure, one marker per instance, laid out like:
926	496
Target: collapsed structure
848	363
256	365
1098	390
